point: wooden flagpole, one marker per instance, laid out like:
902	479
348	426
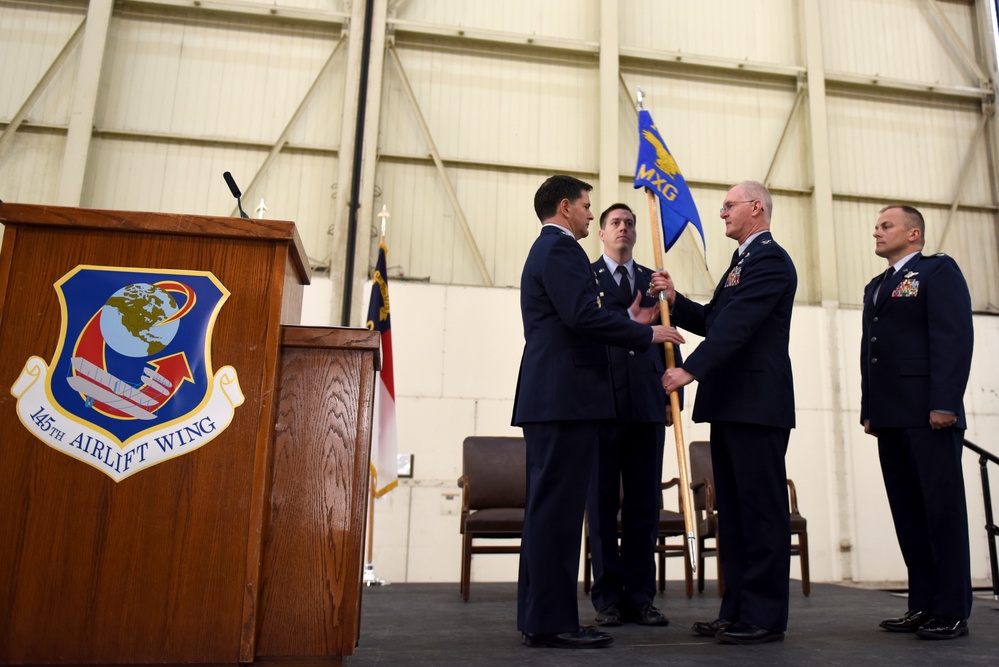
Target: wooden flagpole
674	397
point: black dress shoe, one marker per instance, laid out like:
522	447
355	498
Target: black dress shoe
646	614
744	633
909	622
940	627
585	637
705	629
609	616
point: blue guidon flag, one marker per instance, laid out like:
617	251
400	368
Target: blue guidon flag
131	381
658	171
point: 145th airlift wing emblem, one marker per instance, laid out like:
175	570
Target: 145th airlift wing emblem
131	381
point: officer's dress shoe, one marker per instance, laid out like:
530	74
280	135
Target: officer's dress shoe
646	614
609	616
940	627
744	633
706	629
909	622
585	637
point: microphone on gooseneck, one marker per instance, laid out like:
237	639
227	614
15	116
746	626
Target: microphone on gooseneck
234	189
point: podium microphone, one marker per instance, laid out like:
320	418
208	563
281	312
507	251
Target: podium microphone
234	189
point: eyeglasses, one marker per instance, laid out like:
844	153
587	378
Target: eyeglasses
728	206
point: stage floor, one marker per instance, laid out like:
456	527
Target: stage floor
428	624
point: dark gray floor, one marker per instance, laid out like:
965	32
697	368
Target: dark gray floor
428	624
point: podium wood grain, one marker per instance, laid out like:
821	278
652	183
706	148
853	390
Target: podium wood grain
313	557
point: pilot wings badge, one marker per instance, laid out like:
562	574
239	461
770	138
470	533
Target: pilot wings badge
131	382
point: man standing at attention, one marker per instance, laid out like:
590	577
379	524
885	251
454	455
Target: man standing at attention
563	392
745	391
630	457
915	358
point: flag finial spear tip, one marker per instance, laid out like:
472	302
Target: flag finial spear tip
640	96
384	215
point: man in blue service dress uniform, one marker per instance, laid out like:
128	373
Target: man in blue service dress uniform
563	392
745	391
630	457
915	358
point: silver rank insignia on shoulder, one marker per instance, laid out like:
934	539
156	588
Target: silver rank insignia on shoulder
766	241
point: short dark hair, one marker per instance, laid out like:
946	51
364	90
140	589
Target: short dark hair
913	218
614	207
554	190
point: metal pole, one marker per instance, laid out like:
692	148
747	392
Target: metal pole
990	526
355	181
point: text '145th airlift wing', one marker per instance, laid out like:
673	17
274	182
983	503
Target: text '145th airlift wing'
131	381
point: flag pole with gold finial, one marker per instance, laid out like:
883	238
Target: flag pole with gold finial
674	397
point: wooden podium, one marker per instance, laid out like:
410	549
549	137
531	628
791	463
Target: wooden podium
245	550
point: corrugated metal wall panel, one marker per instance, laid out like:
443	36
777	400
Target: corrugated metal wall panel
971	239
904	150
208	80
895	38
29	169
318	5
567	19
485	109
763	30
164	176
30	40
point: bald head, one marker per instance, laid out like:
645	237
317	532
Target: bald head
756	190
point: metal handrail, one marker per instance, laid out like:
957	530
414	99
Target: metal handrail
984	458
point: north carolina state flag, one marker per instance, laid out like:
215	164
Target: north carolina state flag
384	446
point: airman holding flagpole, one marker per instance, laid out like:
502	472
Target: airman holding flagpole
745	392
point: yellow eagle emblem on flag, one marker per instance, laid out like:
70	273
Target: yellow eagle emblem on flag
664	161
